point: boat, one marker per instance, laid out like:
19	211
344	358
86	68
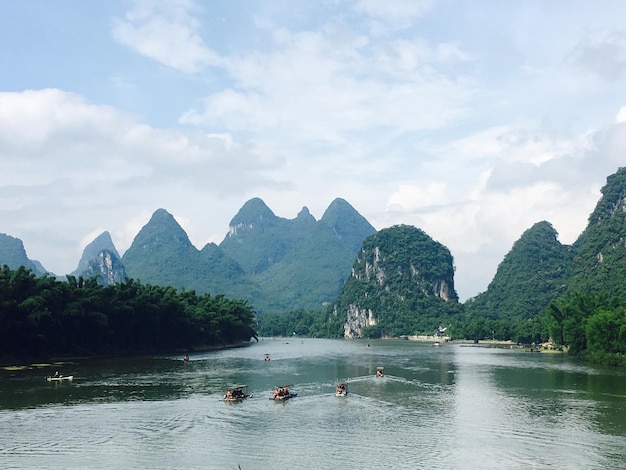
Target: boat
236	393
59	378
380	371
436	344
282	392
341	390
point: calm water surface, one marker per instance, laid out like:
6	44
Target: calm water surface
447	407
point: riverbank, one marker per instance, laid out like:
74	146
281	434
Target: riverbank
10	363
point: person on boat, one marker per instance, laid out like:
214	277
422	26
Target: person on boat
186	358
229	394
276	393
57	375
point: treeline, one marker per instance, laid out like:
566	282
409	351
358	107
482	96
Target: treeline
591	326
43	317
310	323
327	324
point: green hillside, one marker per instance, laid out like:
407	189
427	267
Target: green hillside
530	276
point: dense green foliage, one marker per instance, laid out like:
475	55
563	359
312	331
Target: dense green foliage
44	317
591	325
590	319
406	279
531	275
600	261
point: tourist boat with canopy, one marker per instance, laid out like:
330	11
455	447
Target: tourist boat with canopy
236	393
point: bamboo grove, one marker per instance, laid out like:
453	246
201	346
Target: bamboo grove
43	317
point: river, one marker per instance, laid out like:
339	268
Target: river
453	407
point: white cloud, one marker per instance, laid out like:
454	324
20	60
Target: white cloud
411	197
166	31
314	89
394	10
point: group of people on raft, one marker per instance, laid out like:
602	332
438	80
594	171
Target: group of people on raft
341	388
237	393
281	392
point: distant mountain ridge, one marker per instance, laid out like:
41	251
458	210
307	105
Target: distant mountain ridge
276	264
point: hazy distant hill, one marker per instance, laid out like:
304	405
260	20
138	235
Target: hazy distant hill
531	275
402	283
13	254
276	264
162	254
299	263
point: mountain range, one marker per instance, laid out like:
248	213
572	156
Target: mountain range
340	261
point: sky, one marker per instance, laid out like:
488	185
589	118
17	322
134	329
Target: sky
469	120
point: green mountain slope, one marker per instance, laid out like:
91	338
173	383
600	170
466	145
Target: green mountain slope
299	263
162	254
275	264
529	277
600	261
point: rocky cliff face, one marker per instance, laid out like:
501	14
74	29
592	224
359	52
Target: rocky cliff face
100	259
358	318
107	267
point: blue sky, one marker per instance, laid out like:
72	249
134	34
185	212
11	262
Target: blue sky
470	120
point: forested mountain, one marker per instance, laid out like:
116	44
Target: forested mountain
299	263
600	251
402	283
530	276
590	319
276	264
162	254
